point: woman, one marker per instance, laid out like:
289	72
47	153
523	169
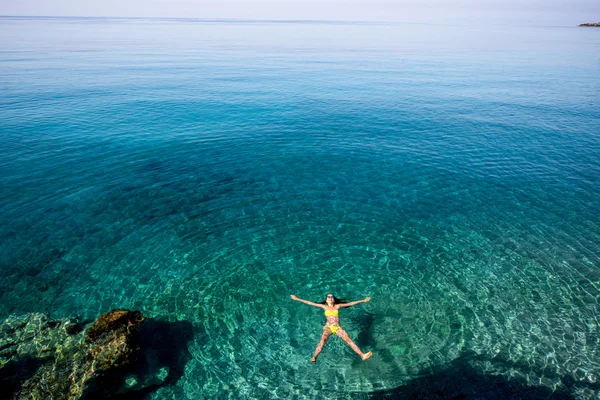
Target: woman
331	305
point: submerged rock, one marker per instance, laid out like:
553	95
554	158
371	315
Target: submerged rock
29	343
43	359
114	322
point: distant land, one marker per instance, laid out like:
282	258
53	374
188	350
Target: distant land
596	24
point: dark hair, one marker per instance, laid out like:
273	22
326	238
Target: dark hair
335	300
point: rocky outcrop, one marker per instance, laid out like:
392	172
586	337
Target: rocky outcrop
56	359
594	24
116	322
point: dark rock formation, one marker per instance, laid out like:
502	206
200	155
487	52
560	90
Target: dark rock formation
42	359
594	24
114	322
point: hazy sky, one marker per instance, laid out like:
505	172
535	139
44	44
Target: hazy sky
561	12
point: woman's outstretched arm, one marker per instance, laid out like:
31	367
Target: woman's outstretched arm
310	303
353	303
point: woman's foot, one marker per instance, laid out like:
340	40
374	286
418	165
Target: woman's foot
366	356
313	360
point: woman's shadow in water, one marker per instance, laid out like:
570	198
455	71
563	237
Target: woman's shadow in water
462	380
365	321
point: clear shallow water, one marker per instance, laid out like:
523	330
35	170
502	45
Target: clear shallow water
204	171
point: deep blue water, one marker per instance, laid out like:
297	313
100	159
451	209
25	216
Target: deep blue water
203	171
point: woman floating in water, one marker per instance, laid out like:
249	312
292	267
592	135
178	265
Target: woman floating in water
331	305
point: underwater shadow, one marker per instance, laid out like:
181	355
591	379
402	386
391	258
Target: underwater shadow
460	380
365	321
14	373
163	356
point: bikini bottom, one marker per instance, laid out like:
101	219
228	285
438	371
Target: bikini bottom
332	328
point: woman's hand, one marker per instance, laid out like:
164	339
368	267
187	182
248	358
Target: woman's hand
367	299
293	297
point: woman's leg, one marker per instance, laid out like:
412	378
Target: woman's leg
342	333
324	337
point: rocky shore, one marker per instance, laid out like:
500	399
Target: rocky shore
66	359
594	24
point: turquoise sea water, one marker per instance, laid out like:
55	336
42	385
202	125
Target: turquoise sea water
203	171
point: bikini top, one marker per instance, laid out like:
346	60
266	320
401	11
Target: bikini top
331	313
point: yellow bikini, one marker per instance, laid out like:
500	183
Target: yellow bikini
332	328
332	313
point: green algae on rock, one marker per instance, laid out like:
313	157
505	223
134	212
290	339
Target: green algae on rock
41	358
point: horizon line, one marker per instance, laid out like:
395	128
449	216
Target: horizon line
200	19
251	20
